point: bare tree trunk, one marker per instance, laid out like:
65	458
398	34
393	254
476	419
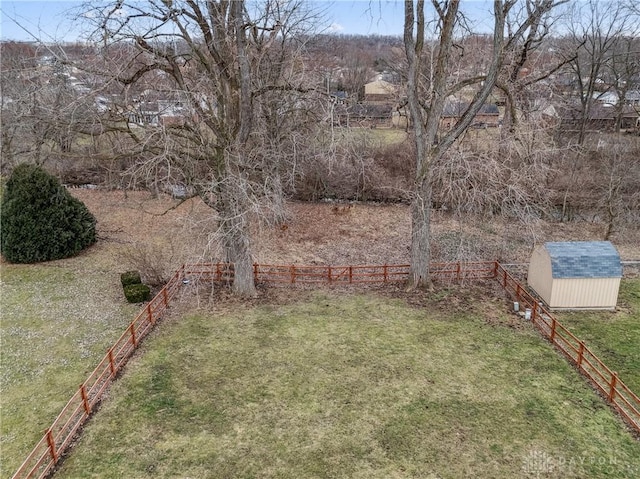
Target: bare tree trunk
421	202
420	235
278	204
235	232
426	98
237	249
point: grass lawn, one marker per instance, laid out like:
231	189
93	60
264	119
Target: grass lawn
56	324
353	386
613	337
387	136
370	137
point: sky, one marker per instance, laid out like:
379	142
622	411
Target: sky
52	20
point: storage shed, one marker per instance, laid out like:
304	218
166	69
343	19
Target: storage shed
576	274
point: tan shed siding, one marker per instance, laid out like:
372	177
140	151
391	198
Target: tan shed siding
539	275
584	293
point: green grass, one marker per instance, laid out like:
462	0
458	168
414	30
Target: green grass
387	136
613	337
352	386
56	324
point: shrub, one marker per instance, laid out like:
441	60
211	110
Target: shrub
130	277
154	261
137	293
40	220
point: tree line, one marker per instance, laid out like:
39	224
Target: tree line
247	92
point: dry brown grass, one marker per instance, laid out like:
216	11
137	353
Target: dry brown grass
316	234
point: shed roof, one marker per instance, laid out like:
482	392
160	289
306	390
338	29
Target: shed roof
584	259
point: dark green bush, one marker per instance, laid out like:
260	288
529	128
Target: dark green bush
130	277
137	293
40	220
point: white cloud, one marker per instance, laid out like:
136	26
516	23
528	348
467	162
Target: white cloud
335	28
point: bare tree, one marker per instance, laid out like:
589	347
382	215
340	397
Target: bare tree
530	61
45	109
595	28
427	95
34	94
623	72
16	81
357	74
613	181
219	63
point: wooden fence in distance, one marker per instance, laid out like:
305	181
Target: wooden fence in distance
327	274
59	436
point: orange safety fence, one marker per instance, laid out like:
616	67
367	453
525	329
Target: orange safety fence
57	439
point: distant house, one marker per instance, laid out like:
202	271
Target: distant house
339	97
368	115
143	113
630	119
600	118
576	274
632	98
488	116
156	113
606	98
380	91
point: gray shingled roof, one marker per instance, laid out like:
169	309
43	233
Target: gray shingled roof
584	259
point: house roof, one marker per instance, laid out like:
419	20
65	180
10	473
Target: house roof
597	112
379	87
584	259
456	108
632	95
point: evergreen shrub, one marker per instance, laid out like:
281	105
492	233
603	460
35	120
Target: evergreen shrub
130	277
137	293
40	220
